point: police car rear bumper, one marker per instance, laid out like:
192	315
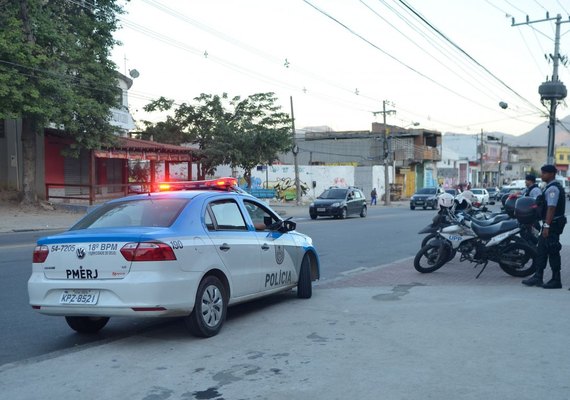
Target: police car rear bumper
138	294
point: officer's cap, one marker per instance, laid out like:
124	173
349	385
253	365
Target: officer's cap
530	177
549	168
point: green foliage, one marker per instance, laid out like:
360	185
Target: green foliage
55	66
240	132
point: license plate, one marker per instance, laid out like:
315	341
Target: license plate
79	296
419	202
321	209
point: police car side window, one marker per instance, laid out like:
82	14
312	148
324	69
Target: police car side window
259	215
208	221
227	215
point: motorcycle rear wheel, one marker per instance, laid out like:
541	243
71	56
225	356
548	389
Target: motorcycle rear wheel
518	259
430	258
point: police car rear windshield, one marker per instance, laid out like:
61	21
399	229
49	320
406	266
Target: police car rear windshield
427	191
333	194
150	212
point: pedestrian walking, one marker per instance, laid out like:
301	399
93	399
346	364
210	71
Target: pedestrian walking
553	222
373	197
532	189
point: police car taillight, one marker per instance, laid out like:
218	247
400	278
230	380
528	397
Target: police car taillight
148	251
40	254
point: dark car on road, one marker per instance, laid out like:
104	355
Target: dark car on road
493	193
426	197
453	192
339	203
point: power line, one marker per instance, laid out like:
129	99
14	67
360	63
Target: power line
249	48
561	6
446	66
515	7
541	6
397	59
418	15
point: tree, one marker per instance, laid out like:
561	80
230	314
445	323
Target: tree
55	68
262	132
241	133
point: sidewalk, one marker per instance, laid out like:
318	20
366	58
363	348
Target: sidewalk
16	218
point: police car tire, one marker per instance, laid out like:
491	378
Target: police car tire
343	213
304	285
412	207
313	216
363	212
87	324
195	322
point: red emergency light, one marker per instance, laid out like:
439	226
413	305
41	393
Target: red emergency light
226	184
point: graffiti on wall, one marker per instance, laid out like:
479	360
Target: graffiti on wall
286	190
339	182
284	187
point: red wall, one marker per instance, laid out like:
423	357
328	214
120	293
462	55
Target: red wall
53	160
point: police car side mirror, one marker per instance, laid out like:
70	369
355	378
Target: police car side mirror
283	226
289	226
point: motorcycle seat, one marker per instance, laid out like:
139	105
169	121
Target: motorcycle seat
491	221
487	232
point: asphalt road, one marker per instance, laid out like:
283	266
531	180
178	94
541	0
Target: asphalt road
385	235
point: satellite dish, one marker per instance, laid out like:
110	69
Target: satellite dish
134	73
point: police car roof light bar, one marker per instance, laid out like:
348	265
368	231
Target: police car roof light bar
226	183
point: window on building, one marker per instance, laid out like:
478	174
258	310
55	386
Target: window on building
561	157
568	157
2	128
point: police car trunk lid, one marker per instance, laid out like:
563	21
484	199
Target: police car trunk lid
77	255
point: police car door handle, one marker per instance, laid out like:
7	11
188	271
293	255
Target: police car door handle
265	246
224	247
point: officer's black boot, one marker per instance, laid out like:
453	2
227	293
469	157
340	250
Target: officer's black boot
555	282
535	280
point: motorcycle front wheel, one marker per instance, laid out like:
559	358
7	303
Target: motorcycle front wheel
428	238
433	236
430	258
518	259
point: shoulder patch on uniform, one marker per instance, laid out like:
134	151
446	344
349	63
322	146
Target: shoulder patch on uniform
552	194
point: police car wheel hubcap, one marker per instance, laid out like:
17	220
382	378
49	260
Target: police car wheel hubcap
212	305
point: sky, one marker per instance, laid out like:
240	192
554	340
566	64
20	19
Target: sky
340	60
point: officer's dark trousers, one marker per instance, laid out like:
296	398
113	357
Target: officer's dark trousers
548	250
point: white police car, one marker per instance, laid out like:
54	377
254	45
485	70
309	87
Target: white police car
188	253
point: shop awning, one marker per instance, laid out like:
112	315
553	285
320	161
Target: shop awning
138	149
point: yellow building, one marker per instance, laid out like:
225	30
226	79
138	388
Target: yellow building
562	158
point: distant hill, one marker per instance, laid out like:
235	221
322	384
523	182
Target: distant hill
537	136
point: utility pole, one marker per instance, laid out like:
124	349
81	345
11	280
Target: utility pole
552	90
499	184
386	152
481	148
295	152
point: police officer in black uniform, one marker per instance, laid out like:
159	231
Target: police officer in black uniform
553	220
532	189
